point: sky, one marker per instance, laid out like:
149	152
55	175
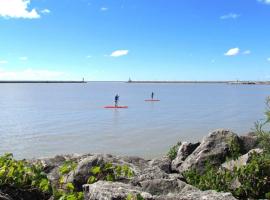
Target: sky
110	40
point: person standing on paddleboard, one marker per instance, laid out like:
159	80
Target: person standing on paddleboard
116	99
152	95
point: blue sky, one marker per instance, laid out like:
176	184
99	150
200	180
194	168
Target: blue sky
141	39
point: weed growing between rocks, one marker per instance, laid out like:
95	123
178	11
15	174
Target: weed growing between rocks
173	151
248	181
134	197
24	176
109	172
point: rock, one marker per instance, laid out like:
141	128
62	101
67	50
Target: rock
197	195
149	173
248	142
103	190
112	191
4	196
184	151
22	194
163	163
164	186
214	149
82	172
241	161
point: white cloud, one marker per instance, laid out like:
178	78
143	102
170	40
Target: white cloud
17	9
268	59
232	52
247	52
45	11
30	74
119	53
23	58
230	16
2	62
104	9
265	1
89	56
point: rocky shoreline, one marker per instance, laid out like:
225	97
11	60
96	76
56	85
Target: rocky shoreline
156	179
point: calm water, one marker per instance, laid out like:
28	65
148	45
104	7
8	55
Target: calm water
38	120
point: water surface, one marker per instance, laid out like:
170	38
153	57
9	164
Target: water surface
38	120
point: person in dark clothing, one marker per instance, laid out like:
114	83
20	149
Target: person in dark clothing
116	100
152	95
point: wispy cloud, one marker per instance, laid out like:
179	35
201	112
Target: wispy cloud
247	52
45	11
119	53
268	59
264	1
23	58
89	56
2	62
30	74
104	9
232	52
230	16
17	9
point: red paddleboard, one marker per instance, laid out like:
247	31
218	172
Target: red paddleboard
151	100
116	107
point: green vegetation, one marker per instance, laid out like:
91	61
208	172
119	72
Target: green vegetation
173	151
253	179
24	175
67	167
68	194
109	172
21	174
248	181
261	131
134	197
234	148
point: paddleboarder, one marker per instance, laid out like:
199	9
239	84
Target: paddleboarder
116	99
152	95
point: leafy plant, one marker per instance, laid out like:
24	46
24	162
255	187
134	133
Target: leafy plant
234	148
261	132
67	167
21	174
134	197
109	172
254	178
173	151
24	175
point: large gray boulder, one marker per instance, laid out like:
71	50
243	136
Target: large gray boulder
165	186
248	142
103	190
164	163
241	161
197	195
112	191
183	152
213	149
82	171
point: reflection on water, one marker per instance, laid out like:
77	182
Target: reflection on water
47	119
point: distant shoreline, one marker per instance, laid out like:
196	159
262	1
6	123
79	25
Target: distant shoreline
154	82
209	82
43	82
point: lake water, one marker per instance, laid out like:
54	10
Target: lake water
39	120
